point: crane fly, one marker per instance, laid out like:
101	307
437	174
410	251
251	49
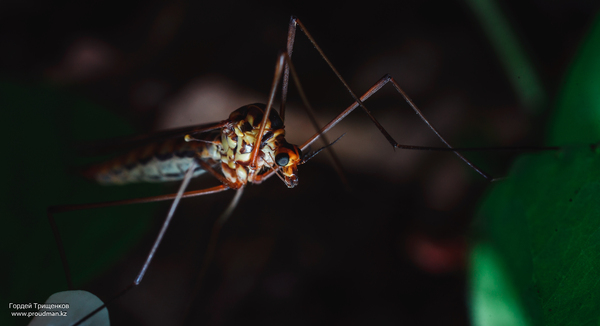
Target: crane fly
247	148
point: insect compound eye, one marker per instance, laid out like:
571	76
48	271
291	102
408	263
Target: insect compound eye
282	159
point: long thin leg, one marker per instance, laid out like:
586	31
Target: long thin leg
313	119
211	248
359	102
253	170
378	85
283	67
157	241
374	90
177	197
286	72
67	208
289	67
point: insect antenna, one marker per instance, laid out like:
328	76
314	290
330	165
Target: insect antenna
308	156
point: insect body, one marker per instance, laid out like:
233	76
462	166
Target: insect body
160	162
231	146
250	147
238	137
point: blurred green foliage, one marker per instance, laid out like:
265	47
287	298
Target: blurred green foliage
576	118
541	225
41	126
517	63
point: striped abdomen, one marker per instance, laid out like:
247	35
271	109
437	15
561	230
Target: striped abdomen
168	160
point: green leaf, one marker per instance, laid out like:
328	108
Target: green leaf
543	220
39	170
511	54
495	300
576	118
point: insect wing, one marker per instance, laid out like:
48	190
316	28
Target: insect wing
130	142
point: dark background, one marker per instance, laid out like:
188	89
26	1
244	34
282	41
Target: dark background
394	249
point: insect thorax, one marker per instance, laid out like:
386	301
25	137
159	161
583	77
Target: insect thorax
238	139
